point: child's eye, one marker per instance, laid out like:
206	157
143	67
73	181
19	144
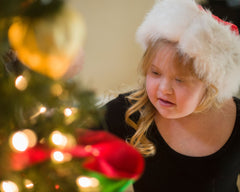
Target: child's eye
155	73
179	80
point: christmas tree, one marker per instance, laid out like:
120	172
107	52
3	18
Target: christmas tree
45	139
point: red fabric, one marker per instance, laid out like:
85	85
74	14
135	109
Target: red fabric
116	158
21	160
104	153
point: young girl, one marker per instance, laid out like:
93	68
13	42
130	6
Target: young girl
184	119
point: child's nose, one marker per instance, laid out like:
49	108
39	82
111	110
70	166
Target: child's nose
165	86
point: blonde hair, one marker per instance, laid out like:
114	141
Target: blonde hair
140	102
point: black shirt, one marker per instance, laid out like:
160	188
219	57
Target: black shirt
170	171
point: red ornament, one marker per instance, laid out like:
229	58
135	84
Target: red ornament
111	156
104	153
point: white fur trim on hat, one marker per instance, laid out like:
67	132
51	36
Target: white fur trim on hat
213	45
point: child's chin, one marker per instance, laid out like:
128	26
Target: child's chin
173	115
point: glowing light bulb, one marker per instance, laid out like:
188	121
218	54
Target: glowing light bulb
19	141
21	83
68	112
59	139
42	109
9	186
28	184
84	182
58	156
87	182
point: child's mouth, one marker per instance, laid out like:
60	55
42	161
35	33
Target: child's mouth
165	102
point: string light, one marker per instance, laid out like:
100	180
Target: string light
85	182
21	83
59	139
19	141
42	109
68	112
28	184
9	186
59	157
62	140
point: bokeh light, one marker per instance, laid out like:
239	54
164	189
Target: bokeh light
19	141
58	139
86	182
60	157
21	83
68	112
28	184
9	186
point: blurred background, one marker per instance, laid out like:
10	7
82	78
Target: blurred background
111	52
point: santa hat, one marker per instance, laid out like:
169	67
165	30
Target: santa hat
213	43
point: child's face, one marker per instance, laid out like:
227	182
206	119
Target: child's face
171	87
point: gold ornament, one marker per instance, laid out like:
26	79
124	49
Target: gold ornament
51	44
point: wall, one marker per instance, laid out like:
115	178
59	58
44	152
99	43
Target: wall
111	52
